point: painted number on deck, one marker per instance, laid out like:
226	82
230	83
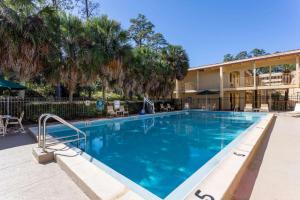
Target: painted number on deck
204	196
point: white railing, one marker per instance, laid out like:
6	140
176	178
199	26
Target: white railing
275	79
185	86
148	101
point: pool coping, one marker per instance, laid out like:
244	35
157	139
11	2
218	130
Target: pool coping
223	179
183	191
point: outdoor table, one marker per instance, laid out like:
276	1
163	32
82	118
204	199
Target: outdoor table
256	109
6	117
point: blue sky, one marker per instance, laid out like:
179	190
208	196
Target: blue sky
208	29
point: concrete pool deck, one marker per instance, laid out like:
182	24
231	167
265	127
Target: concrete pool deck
273	174
22	178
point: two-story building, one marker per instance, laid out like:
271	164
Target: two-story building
270	79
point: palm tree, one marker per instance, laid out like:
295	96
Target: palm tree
24	39
73	70
109	49
177	58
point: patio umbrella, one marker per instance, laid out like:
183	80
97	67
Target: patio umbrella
207	92
9	85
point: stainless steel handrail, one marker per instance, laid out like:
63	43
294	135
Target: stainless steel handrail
45	117
39	127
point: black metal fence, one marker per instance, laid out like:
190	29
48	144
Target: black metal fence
82	108
275	103
79	108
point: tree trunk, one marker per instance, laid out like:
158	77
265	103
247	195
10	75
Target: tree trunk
103	91
54	2
87	9
90	93
71	92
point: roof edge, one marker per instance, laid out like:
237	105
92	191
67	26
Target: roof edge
290	52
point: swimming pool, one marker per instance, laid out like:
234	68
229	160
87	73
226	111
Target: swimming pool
160	152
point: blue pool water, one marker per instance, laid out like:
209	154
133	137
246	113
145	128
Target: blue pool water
160	152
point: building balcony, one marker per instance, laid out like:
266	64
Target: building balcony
276	79
188	87
263	81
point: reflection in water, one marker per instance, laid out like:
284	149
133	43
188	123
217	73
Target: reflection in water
159	153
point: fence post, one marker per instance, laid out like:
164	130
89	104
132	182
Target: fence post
181	103
7	105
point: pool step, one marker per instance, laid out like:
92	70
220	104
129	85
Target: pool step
42	156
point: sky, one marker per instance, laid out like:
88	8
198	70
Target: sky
209	29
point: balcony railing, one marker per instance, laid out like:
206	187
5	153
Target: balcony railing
249	81
275	79
188	86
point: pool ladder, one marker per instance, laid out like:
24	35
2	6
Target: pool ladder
44	142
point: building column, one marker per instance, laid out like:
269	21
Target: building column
242	78
254	75
270	74
270	99
221	89
297	72
198	80
254	85
177	89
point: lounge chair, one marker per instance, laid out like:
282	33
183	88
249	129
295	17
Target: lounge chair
236	108
170	108
123	111
296	111
110	111
2	127
186	106
214	107
264	108
248	107
163	108
117	104
16	121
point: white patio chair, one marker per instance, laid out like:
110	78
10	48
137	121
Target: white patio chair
123	111
236	108
170	108
214	107
264	108
162	107
248	107
186	106
16	121
110	111
2	127
296	111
